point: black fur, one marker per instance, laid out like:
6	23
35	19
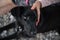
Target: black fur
50	20
26	18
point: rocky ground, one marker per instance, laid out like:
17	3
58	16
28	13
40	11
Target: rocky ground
51	35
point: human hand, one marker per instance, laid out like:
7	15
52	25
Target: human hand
37	6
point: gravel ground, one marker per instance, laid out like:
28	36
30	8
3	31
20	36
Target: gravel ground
51	35
6	19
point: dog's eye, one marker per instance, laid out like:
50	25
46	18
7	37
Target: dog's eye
26	18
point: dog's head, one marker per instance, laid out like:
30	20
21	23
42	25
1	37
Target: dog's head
26	18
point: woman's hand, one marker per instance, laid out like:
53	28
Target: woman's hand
37	6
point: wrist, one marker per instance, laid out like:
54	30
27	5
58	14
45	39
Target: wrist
40	2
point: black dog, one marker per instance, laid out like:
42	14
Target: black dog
50	19
26	18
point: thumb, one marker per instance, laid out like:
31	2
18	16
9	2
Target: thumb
33	7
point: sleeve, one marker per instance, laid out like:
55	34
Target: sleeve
48	2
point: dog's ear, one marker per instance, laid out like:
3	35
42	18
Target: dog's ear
17	11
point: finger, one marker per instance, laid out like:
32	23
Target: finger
38	10
36	23
38	14
33	7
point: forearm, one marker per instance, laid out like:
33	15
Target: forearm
6	6
39	1
6	9
5	2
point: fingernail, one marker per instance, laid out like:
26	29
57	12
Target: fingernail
32	8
